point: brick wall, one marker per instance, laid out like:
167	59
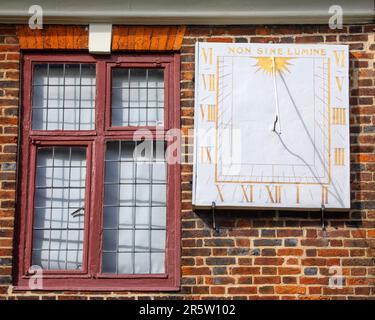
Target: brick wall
252	254
9	92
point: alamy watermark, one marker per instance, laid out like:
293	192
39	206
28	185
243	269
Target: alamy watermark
36	19
336	280
36	277
336	20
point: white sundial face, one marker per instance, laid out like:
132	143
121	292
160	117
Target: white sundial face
275	128
274	114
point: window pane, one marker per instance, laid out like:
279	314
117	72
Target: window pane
134	209
58	228
63	97
137	97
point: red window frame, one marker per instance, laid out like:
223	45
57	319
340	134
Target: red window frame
90	277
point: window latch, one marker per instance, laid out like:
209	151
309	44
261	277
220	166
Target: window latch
77	212
31	272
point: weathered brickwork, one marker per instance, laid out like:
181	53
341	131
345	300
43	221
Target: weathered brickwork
9	104
251	254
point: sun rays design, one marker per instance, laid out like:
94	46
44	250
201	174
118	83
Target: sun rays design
266	64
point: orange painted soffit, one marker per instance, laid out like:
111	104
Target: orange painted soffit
53	37
127	38
147	38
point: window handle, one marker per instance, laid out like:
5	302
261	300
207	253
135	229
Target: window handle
77	213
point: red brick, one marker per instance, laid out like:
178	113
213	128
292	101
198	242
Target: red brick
196	271
266	290
289	270
267	280
290	290
222	39
245	270
242	290
314	281
290	252
217	290
268	261
309	39
333	253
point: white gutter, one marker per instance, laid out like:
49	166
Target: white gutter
192	18
188	11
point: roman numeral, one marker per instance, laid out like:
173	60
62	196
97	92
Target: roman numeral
297	194
207	56
338	116
324	195
339	156
247	193
339	58
220	192
274	196
206	155
208	82
211	112
339	82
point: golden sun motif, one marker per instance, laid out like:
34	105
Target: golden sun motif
266	64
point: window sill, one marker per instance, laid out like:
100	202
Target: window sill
113	284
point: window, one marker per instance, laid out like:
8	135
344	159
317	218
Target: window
134	222
58	223
137	97
99	203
